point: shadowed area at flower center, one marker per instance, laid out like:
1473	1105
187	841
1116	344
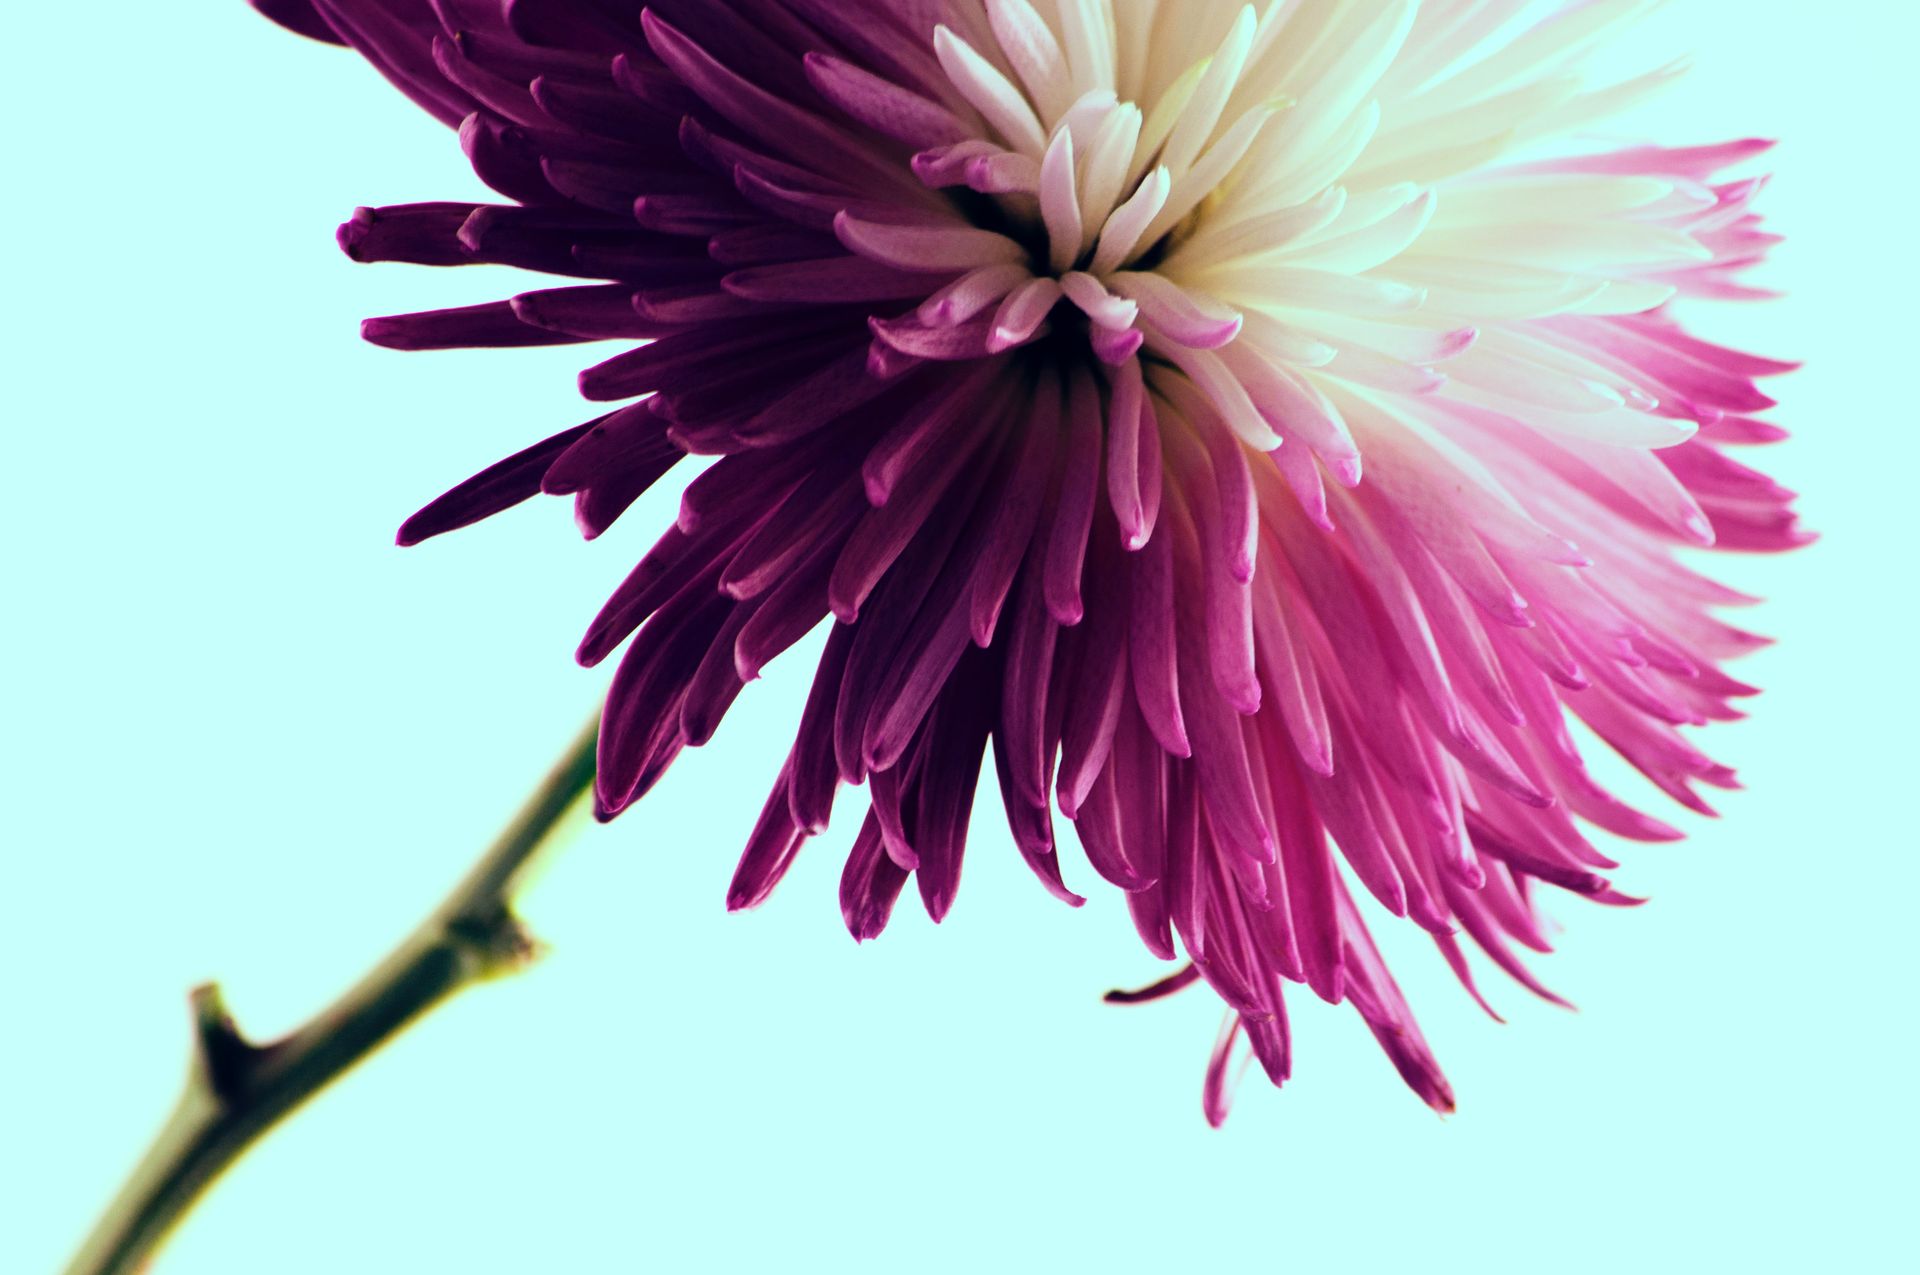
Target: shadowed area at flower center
1078	197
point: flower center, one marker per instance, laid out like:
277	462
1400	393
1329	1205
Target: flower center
1096	189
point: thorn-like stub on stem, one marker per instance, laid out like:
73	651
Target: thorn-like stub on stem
225	1059
237	1091
494	944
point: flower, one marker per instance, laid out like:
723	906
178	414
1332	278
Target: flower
1245	419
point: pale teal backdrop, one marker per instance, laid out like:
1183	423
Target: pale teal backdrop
245	737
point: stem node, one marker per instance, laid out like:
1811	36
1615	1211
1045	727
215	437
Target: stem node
223	1059
237	1090
494	945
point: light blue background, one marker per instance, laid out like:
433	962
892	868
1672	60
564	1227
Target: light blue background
247	738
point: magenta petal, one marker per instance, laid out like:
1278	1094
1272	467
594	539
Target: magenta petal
869	885
497	487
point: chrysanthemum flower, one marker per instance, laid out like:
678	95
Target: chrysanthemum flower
1242	418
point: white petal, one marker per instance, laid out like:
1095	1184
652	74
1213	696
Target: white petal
1543	49
1088	112
990	93
1286	343
1596	245
1486	290
1021	314
1035	55
1189	318
1290	287
1495	201
1100	305
1229	395
1060	202
1121	236
1198	182
1202	113
1103	171
1364	247
1163	116
1215	242
1287	177
1089	43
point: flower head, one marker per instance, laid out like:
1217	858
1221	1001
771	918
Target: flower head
1242	419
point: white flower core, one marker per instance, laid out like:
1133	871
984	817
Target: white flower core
1292	204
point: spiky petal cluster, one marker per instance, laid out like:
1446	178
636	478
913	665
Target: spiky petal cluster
1231	415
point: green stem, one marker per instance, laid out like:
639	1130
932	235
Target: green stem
236	1091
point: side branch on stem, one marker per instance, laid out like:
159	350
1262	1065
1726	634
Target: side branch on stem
237	1090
